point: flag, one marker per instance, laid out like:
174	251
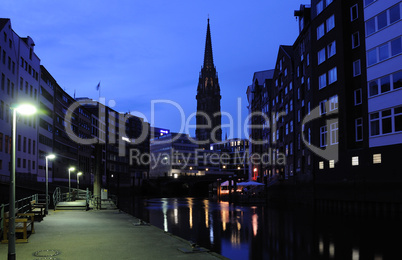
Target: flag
98	86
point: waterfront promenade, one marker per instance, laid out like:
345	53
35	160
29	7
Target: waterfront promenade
101	234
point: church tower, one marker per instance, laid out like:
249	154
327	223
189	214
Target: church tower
208	100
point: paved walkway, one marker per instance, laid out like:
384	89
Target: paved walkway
104	234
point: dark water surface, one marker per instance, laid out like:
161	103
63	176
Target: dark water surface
261	232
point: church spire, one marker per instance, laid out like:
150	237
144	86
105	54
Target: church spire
208	59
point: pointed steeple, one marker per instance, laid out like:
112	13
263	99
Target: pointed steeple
208	59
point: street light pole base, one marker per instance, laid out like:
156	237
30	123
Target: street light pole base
11	256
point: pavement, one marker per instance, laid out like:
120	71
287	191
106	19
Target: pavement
101	234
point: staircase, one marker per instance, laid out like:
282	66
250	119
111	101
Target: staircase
71	205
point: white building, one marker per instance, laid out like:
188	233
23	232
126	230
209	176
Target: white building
384	71
20	76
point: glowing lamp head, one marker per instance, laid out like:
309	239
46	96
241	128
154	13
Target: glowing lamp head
51	156
26	109
71	169
79	173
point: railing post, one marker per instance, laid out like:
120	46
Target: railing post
2	215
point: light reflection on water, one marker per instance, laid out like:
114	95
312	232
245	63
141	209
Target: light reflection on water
258	232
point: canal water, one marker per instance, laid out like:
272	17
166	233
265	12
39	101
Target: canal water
261	232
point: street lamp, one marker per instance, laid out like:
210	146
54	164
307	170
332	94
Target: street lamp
71	169
78	180
51	157
23	109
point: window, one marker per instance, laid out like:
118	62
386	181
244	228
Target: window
323	136
355	160
334	133
321	56
1	142
322	81
298	115
355	40
397	80
309	135
286	129
386	121
359	129
308	59
376	158
321	165
308	83
332	75
291	126
323	108
331	49
320	31
353	12
367	2
383	52
290	86
372	57
370	26
327	2
330	23
385	84
25	145
394	14
374	124
331	164
333	103
396	47
358	96
319	7
356	68
381	20
291	105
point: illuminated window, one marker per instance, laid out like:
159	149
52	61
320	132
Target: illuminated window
331	164
376	158
321	165
355	160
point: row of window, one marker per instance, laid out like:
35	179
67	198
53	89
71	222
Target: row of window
28	68
5	110
24	164
333	137
330	51
383	19
26	145
385	51
329	25
332	104
354	161
320	5
386	121
10	63
7	143
10	85
385	84
332	77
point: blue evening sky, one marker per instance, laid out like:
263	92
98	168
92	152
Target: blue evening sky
149	50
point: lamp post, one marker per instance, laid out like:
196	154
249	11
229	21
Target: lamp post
71	169
23	109
51	157
78	180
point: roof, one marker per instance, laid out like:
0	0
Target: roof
288	49
3	22
261	76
